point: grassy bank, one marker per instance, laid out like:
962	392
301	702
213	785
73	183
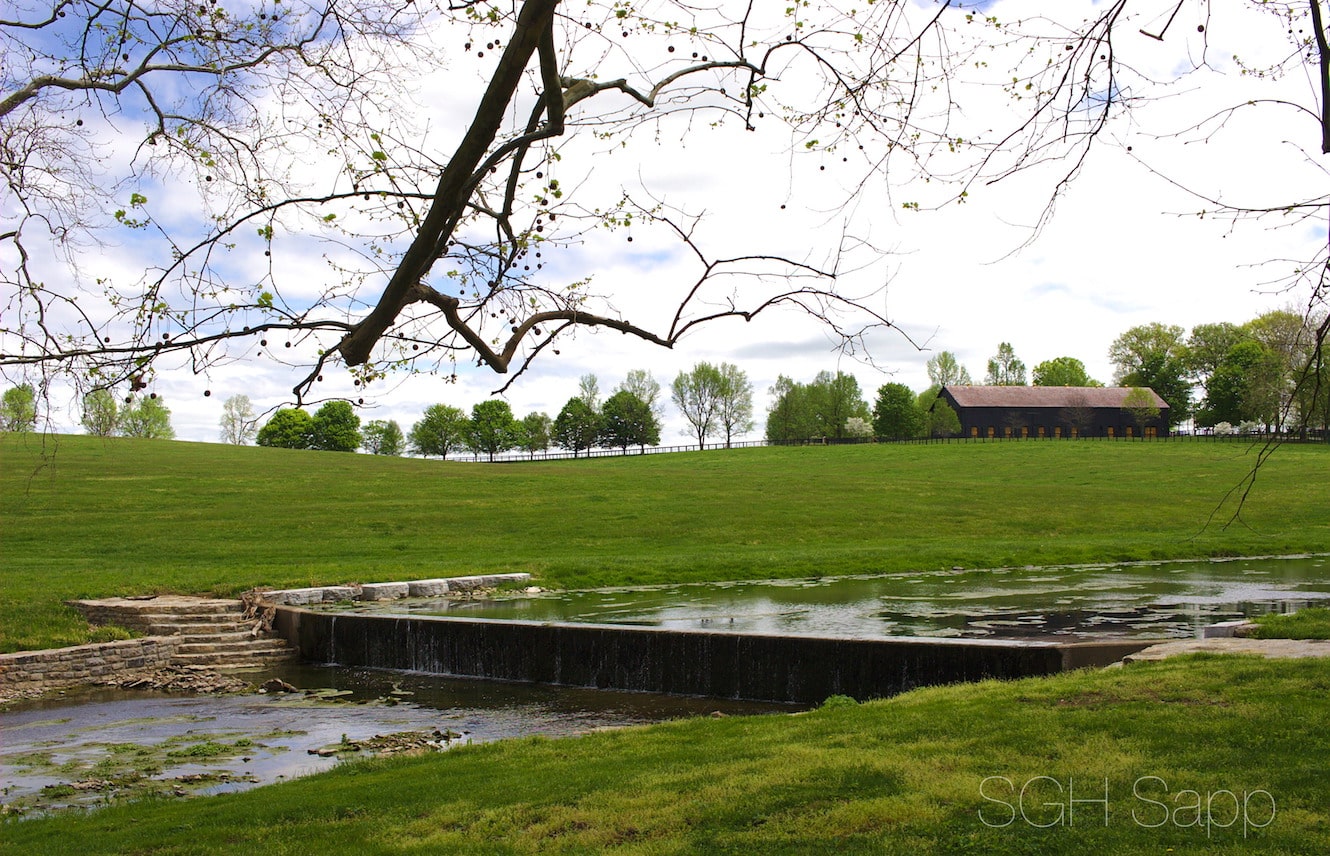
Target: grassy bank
1310	623
1166	743
91	517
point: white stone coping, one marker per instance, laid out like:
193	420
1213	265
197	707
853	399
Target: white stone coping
389	591
1227	629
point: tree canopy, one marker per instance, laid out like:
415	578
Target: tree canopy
493	428
626	420
1155	356
238	424
383	437
288	428
18	409
441	430
146	417
896	414
577	427
1005	368
1062	371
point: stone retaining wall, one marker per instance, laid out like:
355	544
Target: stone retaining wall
391	591
81	664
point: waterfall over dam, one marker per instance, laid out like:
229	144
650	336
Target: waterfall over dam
751	666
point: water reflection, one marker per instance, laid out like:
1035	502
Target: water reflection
1173	599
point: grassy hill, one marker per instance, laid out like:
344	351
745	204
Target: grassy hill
84	516
1200	755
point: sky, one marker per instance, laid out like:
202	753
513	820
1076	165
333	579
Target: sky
1124	247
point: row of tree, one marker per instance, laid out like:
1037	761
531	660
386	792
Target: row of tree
334	427
714	399
144	416
629	417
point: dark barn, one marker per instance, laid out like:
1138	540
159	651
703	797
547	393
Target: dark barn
1053	411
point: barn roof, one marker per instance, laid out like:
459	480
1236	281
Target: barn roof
1045	396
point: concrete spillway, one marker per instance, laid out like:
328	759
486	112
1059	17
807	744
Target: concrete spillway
758	667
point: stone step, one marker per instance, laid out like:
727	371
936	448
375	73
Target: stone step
164	605
236	659
190	618
228	635
198	628
235	646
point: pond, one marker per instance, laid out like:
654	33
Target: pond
1137	600
91	746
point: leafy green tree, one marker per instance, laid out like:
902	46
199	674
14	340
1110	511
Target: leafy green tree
697	394
832	400
335	428
788	417
146	418
1207	346
1004	368
101	413
1292	341
1245	387
940	418
640	383
288	428
734	410
896	414
534	433
577	427
442	429
383	437
588	389
1063	371
1311	384
239	423
1155	356
627	420
945	370
18	409
493	428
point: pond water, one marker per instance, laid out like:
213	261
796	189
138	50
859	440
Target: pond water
92	746
1139	600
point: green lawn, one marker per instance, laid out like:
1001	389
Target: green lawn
1311	623
1170	741
1194	756
84	517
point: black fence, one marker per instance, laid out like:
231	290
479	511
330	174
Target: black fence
525	457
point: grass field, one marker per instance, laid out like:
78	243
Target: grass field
1311	623
82	517
1203	755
